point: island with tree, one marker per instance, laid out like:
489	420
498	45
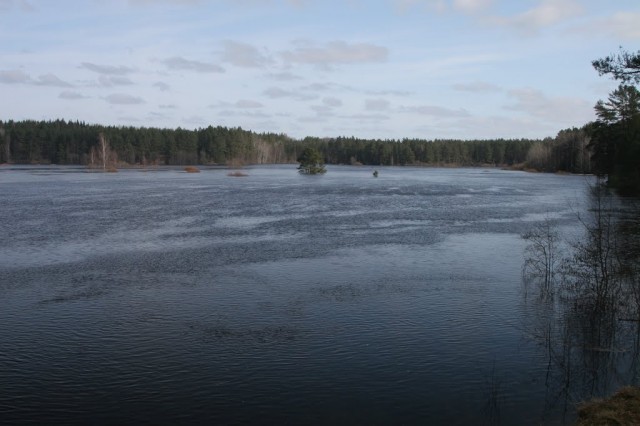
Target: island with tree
311	162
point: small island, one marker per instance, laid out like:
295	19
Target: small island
311	162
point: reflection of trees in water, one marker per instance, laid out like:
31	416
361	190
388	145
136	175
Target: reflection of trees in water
493	397
590	328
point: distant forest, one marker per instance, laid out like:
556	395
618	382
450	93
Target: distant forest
73	142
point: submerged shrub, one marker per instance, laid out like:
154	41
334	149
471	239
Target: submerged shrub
541	256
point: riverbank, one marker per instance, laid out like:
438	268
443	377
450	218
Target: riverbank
622	408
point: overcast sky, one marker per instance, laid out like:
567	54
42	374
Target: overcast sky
366	68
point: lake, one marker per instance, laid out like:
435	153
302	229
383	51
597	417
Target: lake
162	296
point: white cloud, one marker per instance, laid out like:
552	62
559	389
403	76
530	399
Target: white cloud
107	69
621	25
313	119
72	95
319	87
162	86
568	111
283	76
123	99
156	2
490	127
329	104
243	113
471	6
322	110
547	13
194	119
243	55
477	87
332	102
278	93
248	104
367	117
435	111
51	80
114	80
14	77
21	77
376	104
401	93
180	63
24	5
403	6
336	52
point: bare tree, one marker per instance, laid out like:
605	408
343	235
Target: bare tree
7	145
102	155
541	256
103	149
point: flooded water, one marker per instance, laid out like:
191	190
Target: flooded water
168	297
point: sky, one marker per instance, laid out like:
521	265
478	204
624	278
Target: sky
383	69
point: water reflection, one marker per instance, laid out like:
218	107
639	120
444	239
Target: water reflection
589	328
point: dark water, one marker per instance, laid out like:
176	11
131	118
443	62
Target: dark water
167	297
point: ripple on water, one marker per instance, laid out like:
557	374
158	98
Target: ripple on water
278	299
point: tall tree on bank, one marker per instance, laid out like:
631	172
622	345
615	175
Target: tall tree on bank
616	132
623	66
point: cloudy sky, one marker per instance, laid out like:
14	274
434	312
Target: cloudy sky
367	68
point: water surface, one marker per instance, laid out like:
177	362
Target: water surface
163	296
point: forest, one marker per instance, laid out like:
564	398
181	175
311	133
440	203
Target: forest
72	142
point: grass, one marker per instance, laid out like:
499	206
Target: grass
192	169
623	408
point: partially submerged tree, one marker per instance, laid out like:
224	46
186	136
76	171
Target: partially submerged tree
311	162
593	275
541	256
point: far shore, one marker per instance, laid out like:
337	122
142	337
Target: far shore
158	167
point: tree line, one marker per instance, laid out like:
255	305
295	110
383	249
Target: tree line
74	142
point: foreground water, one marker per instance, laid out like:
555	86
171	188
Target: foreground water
164	297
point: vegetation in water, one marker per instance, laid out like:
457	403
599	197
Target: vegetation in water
311	162
585	297
541	256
